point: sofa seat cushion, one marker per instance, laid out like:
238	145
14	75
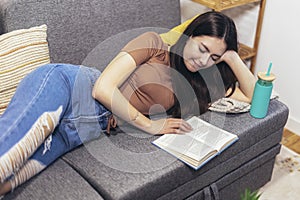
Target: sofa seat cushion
127	166
58	181
116	176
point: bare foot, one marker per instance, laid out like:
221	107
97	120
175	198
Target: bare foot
5	188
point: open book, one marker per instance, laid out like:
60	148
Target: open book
198	146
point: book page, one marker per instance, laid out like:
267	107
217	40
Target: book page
198	146
192	162
184	144
209	134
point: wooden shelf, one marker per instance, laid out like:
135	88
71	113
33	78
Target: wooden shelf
246	52
219	5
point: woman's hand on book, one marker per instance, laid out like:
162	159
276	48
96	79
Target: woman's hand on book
170	126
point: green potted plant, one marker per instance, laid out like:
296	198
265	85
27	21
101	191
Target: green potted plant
248	195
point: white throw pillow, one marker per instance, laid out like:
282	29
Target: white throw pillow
21	51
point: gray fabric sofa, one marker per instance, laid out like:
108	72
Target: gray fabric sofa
125	165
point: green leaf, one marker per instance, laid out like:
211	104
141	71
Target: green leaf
248	195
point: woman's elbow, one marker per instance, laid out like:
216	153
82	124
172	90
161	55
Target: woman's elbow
94	93
98	92
103	93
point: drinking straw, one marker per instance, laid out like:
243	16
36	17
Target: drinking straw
269	69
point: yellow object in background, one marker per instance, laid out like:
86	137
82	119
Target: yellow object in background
173	35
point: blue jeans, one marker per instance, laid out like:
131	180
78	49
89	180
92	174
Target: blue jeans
51	113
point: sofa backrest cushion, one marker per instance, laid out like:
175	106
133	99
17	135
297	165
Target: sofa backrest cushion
75	27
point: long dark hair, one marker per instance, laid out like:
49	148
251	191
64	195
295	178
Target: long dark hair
204	83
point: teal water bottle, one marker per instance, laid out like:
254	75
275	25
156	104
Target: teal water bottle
262	93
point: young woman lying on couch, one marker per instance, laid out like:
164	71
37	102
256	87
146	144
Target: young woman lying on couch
53	103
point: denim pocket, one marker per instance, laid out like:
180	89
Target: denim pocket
84	128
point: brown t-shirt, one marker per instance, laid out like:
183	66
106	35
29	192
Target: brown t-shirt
150	84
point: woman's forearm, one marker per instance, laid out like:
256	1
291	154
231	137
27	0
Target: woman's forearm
122	108
106	91
114	100
244	76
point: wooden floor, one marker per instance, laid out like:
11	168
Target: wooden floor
291	140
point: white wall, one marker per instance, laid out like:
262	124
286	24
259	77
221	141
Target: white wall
279	44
